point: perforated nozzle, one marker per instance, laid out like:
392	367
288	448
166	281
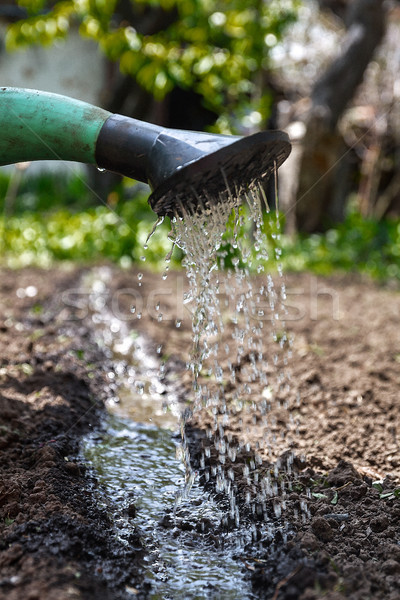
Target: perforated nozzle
187	170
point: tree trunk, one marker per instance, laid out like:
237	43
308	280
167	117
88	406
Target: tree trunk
321	196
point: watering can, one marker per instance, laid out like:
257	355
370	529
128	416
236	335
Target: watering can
185	169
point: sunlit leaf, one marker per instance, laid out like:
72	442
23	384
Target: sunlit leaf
218	48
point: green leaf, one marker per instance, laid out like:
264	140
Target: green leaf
318	495
390	494
378	486
217	48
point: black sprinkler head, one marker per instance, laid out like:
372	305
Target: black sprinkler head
187	170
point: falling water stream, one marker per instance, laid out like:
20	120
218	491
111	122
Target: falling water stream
140	461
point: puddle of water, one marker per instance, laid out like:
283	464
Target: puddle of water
136	463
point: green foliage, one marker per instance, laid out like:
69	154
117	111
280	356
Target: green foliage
73	230
358	245
41	27
37	194
363	245
218	48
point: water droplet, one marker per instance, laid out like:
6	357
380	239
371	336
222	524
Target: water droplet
139	385
31	291
187	297
178	323
156	224
115	326
100	169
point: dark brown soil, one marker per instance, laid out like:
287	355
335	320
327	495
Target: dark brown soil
345	369
55	542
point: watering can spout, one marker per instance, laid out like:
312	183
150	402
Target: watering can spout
183	168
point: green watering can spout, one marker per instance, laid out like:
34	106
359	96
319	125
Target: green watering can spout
185	169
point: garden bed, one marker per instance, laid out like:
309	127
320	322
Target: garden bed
58	543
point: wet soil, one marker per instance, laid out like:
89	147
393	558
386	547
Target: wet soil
56	543
343	400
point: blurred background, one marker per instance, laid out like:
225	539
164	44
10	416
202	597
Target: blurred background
325	71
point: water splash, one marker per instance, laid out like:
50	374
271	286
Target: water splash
241	350
185	559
